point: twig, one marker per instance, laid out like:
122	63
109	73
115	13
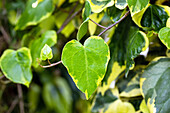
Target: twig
5	35
1	77
115	23
68	20
21	103
98	24
49	61
51	65
13	104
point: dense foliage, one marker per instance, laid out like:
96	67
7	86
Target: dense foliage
112	56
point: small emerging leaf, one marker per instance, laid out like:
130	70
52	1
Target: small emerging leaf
46	53
49	38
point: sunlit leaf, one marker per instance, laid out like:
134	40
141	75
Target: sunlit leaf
16	65
60	17
164	36
46	53
99	5
120	107
137	5
120	4
102	101
97	18
86	71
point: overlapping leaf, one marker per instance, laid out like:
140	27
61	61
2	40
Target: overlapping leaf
137	5
49	38
86	64
164	35
98	5
155	84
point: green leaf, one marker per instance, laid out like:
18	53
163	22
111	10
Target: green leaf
16	65
49	38
57	96
32	16
114	13
164	36
46	53
155	84
60	17
34	97
103	101
99	5
136	6
87	11
120	4
86	64
154	18
118	46
82	29
138	43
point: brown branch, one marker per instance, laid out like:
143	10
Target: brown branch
13	104
51	65
69	19
114	23
98	24
21	103
5	35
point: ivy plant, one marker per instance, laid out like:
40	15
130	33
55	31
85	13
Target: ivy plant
113	55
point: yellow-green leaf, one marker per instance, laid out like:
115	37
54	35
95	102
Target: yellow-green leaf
16	65
86	63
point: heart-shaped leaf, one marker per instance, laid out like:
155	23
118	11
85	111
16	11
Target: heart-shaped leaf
86	64
46	53
16	65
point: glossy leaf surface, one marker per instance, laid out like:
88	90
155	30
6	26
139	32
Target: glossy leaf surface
16	65
86	64
154	18
138	43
